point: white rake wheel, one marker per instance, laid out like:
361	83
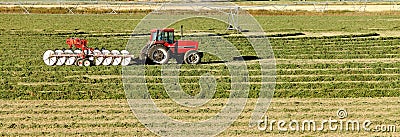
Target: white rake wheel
108	60
98	60
91	59
86	63
79	62
89	52
77	51
126	60
48	58
117	60
70	60
60	60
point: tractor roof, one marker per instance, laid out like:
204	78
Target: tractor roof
165	30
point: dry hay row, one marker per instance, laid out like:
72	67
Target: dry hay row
227	76
190	83
340	69
92	131
63	103
343	89
318	61
250	70
333	55
47	112
251	132
302	109
113	106
268	83
123	130
167	102
332	49
300	75
294	109
81	127
372	51
362	47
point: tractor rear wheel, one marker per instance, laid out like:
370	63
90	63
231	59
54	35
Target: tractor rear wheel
192	57
159	54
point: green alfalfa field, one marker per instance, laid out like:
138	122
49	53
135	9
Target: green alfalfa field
324	62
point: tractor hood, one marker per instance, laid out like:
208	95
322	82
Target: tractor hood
188	44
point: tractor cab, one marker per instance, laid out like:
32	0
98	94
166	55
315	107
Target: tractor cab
164	35
162	47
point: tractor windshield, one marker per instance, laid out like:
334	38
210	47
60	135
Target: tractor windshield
154	36
165	36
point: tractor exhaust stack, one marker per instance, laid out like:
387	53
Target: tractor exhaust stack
181	31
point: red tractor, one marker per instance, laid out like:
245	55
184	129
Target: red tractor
163	47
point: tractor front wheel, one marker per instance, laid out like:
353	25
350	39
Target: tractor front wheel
159	54
192	57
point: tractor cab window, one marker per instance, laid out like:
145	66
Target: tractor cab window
170	37
165	36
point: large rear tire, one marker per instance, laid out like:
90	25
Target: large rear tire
159	54
192	57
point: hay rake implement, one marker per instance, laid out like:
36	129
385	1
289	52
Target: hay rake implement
85	56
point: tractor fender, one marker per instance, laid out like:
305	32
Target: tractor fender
201	53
